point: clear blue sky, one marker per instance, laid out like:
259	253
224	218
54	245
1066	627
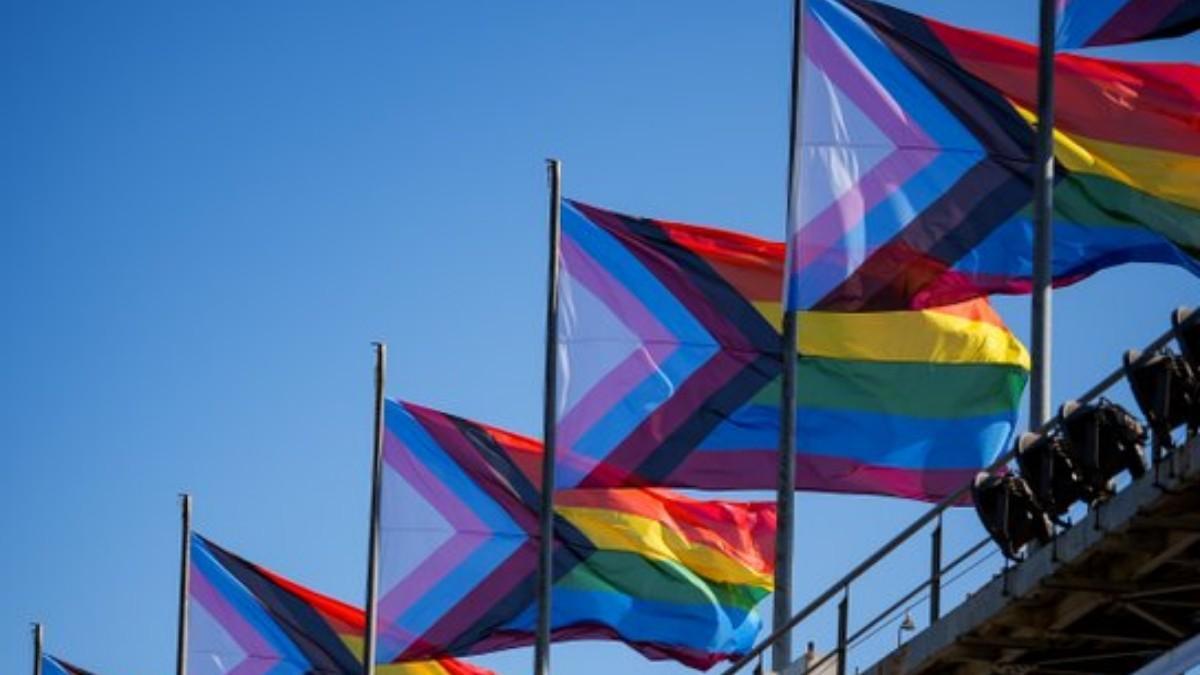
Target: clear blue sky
208	211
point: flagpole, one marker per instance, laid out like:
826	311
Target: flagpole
785	501
185	573
37	649
372	628
1043	243
541	654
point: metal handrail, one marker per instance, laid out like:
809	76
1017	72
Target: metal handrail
843	584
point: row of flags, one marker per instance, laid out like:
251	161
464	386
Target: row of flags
915	184
916	170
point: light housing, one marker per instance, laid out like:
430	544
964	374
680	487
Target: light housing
1049	470
1009	513
1187	335
1103	440
1166	389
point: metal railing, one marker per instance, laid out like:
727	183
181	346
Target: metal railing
937	570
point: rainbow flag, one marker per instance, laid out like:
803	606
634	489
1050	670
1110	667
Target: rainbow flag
245	619
1092	23
671	372
915	174
672	577
52	665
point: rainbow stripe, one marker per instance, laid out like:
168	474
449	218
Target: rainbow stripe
916	174
674	578
247	620
670	342
52	665
1092	23
1128	158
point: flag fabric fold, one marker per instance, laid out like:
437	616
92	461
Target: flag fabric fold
915	173
672	577
670	372
52	665
1094	23
245	619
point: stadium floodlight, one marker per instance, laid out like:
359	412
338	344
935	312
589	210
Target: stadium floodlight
1187	335
1009	513
1103	440
1046	464
1166	389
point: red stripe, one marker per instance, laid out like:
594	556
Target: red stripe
1154	105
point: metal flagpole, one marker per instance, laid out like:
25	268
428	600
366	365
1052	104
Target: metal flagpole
781	654
37	649
1043	242
541	654
372	628
185	576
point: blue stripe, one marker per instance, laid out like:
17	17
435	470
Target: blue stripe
710	629
696	345
427	452
1084	18
642	401
958	151
1078	250
247	605
880	440
492	548
51	666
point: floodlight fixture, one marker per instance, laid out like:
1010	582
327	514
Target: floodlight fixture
1168	392
1185	324
1103	440
1009	513
1046	464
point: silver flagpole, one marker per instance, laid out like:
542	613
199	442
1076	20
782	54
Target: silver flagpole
185	576
541	654
37	649
781	654
1043	242
372	628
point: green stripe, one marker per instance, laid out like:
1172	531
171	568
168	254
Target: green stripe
929	390
1098	201
628	573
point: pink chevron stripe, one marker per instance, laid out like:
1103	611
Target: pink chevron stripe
418	583
605	394
818	238
690	396
260	657
398	456
586	270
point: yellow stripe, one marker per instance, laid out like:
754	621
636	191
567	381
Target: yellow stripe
355	644
412	668
925	336
616	531
1164	174
1161	173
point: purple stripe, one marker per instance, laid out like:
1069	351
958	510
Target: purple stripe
478	603
831	226
678	282
417	584
755	470
689	397
613	293
447	434
258	652
609	391
430	486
